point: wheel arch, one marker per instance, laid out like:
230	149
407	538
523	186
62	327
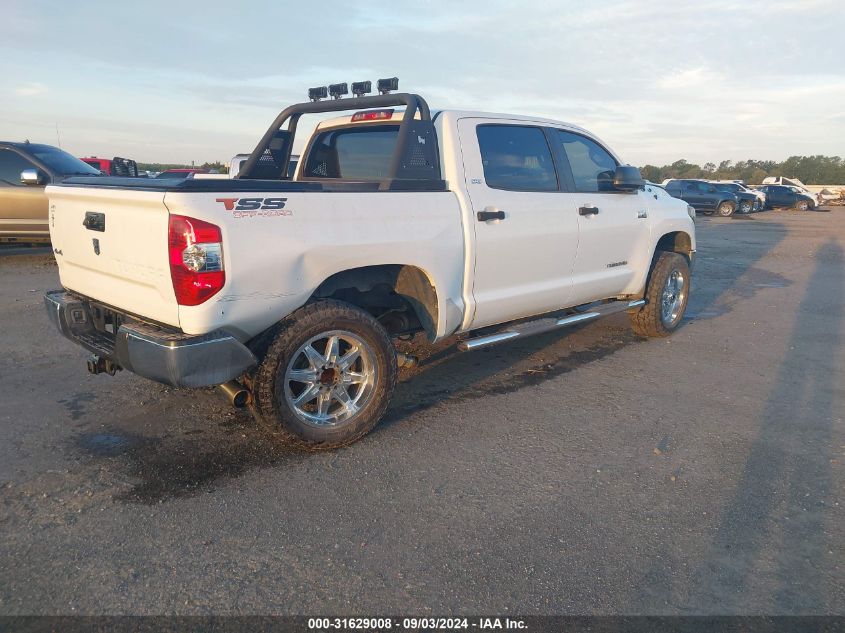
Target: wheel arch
398	295
675	242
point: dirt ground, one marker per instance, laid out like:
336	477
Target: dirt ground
578	472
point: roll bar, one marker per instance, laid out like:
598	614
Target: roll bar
400	167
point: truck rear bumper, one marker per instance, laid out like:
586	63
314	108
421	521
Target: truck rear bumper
161	354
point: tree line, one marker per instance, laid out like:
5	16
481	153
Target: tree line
811	170
216	165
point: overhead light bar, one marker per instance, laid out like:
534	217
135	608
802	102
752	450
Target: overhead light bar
338	90
315	94
386	85
361	88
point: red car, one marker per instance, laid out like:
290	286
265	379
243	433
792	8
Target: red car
181	173
116	166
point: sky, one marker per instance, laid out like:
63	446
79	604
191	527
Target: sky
704	80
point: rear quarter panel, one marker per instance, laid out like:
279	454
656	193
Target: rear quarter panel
274	260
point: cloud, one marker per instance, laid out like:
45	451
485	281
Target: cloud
30	89
689	78
658	80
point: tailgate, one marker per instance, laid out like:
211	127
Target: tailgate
119	255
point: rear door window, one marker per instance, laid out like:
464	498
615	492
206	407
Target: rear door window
516	158
11	166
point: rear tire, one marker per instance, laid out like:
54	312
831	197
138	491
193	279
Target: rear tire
327	377
726	209
666	296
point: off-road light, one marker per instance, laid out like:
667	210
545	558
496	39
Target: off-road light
338	90
361	88
386	85
315	94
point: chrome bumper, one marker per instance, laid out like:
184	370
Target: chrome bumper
161	354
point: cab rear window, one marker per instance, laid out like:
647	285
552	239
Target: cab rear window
362	152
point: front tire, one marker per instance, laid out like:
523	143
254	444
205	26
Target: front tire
802	205
666	297
746	206
726	208
327	377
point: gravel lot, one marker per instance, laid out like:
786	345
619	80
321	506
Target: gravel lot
577	472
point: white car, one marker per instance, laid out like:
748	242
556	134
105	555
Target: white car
398	221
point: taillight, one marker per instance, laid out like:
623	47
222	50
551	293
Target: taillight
196	259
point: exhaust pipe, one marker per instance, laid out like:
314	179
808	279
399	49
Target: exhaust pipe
98	365
237	395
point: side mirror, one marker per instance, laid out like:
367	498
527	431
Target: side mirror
33	177
628	178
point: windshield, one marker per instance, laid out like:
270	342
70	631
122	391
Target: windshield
63	163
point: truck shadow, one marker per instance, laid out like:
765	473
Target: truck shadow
725	271
773	526
781	499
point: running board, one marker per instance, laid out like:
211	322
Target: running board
546	325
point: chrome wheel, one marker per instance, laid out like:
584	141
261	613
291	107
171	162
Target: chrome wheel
746	206
330	378
673	297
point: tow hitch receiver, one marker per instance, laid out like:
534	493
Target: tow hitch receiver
98	365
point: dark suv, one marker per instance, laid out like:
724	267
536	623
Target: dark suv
25	170
703	196
787	196
748	200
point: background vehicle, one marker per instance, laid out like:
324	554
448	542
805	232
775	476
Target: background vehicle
181	173
738	187
748	201
25	169
116	166
463	222
240	159
794	183
788	196
703	196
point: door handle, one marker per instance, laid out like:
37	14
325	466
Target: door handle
484	216
588	210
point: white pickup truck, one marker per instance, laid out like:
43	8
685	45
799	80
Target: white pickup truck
289	292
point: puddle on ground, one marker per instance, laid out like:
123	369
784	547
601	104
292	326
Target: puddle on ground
105	444
77	404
